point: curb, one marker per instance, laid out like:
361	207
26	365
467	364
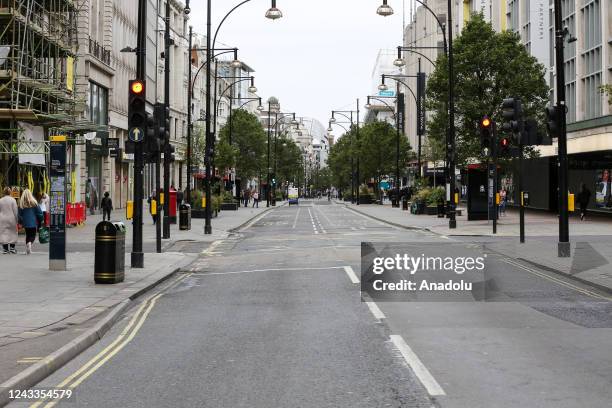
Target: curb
587	282
389	222
54	361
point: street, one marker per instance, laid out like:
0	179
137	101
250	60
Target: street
272	316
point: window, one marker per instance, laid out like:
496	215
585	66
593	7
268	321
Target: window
591	58
98	104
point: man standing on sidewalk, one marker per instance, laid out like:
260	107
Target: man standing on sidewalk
107	207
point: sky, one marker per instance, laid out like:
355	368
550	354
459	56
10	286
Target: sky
318	57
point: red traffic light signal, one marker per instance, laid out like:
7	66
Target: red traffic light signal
504	142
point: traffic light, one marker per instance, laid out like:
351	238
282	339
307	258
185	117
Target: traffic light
553	120
512	112
170	151
504	146
531	136
137	103
151	139
486	135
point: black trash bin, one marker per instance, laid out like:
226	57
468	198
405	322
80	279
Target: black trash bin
185	217
109	264
405	203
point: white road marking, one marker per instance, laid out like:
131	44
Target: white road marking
271	270
351	274
258	218
378	314
296	218
419	369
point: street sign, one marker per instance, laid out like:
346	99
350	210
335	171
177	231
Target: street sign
386	93
136	134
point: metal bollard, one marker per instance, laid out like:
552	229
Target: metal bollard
109	263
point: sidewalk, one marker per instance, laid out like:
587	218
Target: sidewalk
591	260
537	224
35	301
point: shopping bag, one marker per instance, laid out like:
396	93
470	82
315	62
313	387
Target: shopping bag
43	235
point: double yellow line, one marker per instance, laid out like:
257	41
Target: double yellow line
126	336
558	281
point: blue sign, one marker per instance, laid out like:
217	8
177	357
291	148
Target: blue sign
386	93
136	134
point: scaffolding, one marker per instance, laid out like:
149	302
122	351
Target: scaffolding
38	56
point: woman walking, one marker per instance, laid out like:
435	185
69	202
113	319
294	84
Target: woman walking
31	217
44	206
9	216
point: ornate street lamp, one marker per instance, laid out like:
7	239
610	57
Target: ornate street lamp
384	10
273	12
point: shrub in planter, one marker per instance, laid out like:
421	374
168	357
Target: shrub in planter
436	195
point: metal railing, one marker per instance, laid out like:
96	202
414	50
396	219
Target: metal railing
99	51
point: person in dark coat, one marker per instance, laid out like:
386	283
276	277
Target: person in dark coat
583	200
107	207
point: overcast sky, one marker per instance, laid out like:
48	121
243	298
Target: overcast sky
318	57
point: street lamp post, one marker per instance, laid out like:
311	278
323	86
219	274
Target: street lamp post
273	13
450	140
348	114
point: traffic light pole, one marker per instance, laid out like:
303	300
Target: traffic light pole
563	247
521	195
167	110
189	118
209	115
137	256
494	148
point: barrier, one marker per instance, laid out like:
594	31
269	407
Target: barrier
76	213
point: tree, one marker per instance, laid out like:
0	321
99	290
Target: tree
339	160
489	67
248	145
288	158
607	89
378	151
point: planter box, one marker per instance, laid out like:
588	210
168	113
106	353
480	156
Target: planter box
365	200
431	210
229	206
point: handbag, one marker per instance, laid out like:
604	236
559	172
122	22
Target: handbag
43	235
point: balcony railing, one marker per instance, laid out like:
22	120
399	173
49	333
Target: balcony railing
99	51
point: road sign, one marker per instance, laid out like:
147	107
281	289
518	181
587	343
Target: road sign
136	134
388	93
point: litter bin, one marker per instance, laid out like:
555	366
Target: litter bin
109	264
185	217
404	203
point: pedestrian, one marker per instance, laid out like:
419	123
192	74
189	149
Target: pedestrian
151	201
256	199
44	206
246	197
31	217
583	200
9	217
107	206
503	195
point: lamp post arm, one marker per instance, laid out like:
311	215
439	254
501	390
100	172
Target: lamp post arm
225	18
202	66
417	52
226	89
403	83
385	103
442	27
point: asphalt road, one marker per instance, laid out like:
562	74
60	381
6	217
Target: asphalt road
273	317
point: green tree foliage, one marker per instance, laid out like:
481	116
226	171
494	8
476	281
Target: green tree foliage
339	160
607	89
289	167
489	67
376	150
248	147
